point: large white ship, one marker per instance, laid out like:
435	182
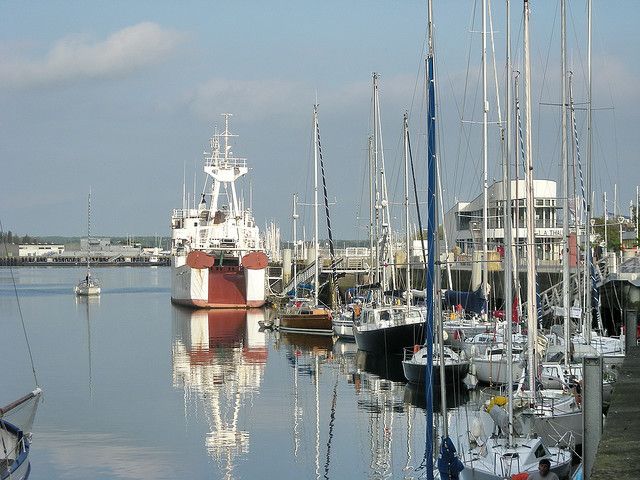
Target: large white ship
217	256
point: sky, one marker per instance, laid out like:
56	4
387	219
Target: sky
122	97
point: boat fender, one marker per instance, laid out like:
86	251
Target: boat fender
477	432
497	400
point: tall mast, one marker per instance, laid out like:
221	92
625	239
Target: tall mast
88	232
315	204
295	244
432	239
565	185
485	161
532	301
372	216
376	186
508	238
405	137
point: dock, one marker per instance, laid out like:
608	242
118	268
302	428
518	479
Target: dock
619	447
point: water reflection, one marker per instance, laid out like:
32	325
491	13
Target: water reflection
219	359
387	367
456	395
311	344
85	304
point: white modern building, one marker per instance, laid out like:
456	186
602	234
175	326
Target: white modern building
464	222
39	250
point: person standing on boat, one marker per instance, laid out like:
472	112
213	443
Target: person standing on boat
543	472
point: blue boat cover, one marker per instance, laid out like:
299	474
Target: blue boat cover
473	302
449	465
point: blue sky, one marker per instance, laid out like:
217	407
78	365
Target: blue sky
121	97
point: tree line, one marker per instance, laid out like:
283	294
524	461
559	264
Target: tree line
10	237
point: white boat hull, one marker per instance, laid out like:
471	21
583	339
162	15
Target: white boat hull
495	371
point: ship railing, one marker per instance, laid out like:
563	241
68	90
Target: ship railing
230	162
184	212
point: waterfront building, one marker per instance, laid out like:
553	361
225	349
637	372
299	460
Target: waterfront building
39	250
464	221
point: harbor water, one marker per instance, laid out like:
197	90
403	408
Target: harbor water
136	388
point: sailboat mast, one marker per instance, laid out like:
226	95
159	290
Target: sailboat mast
88	232
431	243
565	185
532	301
405	136
376	189
485	161
372	201
588	255
295	244
508	237
315	204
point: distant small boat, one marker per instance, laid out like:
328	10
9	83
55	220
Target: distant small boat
88	286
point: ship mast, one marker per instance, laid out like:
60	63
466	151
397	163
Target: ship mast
485	164
508	237
589	259
405	137
565	185
315	205
532	303
225	169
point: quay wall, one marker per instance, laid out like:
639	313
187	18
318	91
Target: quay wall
619	449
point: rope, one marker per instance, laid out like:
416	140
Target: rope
334	275
15	289
331	424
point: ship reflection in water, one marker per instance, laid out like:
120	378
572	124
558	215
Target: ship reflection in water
321	408
219	359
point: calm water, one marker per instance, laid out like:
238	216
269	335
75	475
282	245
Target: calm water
135	388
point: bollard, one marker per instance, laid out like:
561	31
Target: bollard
591	411
630	329
286	265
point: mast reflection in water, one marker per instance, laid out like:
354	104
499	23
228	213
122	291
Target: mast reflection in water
219	358
323	408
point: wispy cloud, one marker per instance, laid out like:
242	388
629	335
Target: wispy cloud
77	58
252	98
259	99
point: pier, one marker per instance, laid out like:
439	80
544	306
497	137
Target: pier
619	447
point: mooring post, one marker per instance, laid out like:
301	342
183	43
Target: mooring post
630	329
591	411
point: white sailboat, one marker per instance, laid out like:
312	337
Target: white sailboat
382	327
491	456
88	286
307	315
16	420
16	444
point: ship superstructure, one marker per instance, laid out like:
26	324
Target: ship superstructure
217	254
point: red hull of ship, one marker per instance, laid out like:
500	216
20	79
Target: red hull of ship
226	290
